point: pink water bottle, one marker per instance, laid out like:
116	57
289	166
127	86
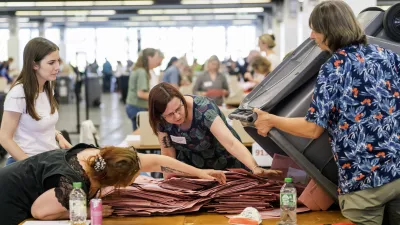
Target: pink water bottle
96	211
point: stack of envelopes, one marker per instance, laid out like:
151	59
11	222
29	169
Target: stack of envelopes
147	196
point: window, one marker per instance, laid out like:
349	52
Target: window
241	40
4	36
53	34
112	43
208	41
81	44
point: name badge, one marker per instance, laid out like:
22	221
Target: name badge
208	84
179	140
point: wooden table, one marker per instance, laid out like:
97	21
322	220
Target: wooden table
310	218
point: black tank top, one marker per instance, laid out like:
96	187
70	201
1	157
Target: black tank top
22	182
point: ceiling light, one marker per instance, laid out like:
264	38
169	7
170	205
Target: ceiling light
206	2
180	18
151	11
27	13
48	24
102	12
3	20
77	13
76	19
175	11
225	10
97	19
160	18
104	3
79	3
167	23
139	18
194	2
20	4
23	20
138	3
41	4
250	10
201	11
52	13
204	17
224	17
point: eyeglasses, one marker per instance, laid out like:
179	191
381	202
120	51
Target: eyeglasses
171	115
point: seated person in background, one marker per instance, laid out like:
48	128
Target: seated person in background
212	83
193	130
39	186
261	67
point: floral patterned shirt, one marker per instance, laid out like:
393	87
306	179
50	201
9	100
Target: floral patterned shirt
357	98
202	149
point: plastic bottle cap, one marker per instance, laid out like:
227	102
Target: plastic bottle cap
77	185
288	180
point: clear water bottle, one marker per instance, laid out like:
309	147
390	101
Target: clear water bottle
77	205
288	198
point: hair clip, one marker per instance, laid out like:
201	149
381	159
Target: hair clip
165	91
99	164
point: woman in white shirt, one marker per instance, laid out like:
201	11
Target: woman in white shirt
30	109
266	42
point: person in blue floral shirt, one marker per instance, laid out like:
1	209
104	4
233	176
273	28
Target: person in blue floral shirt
356	98
193	130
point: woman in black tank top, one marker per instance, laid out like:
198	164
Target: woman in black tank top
39	186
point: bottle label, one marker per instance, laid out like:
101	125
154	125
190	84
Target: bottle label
77	208
288	199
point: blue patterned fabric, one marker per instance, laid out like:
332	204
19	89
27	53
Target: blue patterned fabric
357	99
202	149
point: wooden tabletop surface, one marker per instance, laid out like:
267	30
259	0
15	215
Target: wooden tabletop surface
310	218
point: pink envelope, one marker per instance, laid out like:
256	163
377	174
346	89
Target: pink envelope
315	198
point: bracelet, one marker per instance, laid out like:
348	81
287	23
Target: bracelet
58	133
252	169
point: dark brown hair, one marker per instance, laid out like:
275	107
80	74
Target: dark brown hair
122	164
337	22
143	60
159	97
261	64
36	49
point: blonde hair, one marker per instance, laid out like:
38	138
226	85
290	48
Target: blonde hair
337	22
268	39
261	64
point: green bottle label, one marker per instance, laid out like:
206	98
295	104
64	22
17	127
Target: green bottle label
288	199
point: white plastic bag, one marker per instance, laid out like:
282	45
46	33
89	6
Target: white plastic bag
88	133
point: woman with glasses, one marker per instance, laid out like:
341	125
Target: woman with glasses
193	130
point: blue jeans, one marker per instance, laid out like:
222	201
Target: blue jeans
132	112
10	160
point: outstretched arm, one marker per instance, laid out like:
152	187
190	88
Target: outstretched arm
165	164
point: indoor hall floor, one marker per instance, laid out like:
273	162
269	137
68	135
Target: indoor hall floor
113	123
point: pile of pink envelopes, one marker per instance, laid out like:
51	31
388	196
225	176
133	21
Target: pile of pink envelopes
147	196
